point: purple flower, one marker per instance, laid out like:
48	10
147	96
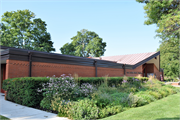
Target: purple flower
124	81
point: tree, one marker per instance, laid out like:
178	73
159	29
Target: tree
85	44
166	15
170	57
20	29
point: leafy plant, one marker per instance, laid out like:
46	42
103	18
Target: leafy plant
46	103
155	94
110	110
84	109
61	105
25	91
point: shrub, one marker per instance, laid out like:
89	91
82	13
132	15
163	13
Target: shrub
25	91
168	90
46	103
132	100
110	110
103	99
61	106
155	94
141	102
64	86
142	79
112	81
119	98
105	89
163	93
84	109
86	89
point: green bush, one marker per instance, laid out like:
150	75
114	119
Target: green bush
144	95
155	94
84	109
103	99
25	91
143	79
112	81
61	106
132	100
110	110
162	92
119	98
46	103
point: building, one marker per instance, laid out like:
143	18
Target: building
28	63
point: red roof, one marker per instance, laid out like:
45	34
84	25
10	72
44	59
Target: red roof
130	59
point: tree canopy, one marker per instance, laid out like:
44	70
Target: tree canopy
85	44
166	15
170	57
20	29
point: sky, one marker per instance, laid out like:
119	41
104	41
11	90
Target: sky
120	23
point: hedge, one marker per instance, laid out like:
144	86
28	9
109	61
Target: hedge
24	90
110	80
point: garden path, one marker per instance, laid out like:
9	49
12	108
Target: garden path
19	112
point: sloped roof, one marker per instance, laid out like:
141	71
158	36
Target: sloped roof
131	59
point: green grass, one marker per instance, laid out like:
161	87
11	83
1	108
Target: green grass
3	118
167	108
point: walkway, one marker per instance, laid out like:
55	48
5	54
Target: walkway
19	112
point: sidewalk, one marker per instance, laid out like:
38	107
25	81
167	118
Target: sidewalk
15	111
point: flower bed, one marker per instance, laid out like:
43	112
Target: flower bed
86	98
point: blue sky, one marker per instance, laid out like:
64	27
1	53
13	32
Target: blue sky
119	22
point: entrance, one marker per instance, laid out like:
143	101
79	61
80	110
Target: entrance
148	69
3	70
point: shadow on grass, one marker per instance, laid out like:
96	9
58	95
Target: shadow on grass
173	118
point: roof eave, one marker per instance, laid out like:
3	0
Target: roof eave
145	60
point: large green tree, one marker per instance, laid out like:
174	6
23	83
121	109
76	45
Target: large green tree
85	44
170	57
166	15
21	29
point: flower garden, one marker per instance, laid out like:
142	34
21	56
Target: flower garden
83	97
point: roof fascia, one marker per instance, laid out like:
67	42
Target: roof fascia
147	59
37	56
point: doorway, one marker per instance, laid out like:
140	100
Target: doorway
3	70
148	69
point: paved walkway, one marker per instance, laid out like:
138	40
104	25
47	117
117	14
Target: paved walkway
19	112
172	85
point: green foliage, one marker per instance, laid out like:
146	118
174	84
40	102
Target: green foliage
164	109
25	91
64	86
103	99
170	57
20	29
84	44
166	15
84	109
143	94
163	93
119	98
111	81
110	110
3	118
132	100
46	103
61	105
68	49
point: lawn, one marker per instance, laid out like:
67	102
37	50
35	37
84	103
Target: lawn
167	108
3	118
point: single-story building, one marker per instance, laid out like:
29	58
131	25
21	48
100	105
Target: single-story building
23	63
